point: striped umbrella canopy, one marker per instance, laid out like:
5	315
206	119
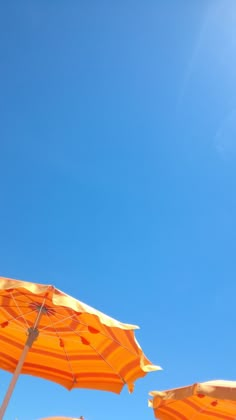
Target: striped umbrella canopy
201	401
63	418
47	333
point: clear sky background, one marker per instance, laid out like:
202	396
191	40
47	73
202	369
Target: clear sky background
118	174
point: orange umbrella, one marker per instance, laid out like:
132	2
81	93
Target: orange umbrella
208	400
63	418
67	341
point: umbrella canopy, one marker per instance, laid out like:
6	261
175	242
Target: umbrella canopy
63	418
46	333
208	400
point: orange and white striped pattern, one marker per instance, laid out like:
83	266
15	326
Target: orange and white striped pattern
214	400
77	346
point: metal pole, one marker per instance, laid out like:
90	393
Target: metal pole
32	336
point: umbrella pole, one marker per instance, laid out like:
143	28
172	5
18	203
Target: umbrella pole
33	334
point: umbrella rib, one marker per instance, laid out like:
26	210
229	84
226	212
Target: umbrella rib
16	328
19	316
102	333
66	354
10	306
20	311
23	294
18	299
59	320
29	297
39	314
98	353
93	348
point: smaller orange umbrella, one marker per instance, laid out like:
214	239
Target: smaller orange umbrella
208	400
64	418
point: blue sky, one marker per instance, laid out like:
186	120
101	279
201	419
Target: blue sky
118	163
